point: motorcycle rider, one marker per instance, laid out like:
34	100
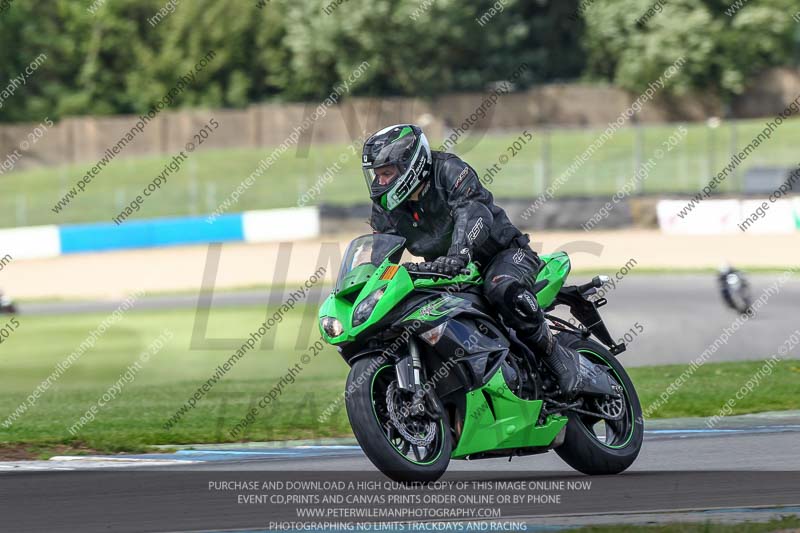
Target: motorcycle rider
437	203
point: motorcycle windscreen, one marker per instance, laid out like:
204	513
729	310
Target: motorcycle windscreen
364	255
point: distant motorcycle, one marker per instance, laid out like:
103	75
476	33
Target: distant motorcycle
735	289
6	305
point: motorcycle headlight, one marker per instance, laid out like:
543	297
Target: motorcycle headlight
364	309
331	326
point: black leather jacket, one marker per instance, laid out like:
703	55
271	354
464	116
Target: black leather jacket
455	214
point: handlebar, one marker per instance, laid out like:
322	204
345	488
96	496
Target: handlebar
587	289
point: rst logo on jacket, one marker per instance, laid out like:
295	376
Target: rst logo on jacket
461	178
476	229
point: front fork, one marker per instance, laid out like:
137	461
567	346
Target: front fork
410	378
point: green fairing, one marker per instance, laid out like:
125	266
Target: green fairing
435	310
363	279
356	278
512	426
555	271
338	307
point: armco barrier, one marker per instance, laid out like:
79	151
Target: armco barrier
716	217
281	224
251	226
30	243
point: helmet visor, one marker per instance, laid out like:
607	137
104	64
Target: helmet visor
382	177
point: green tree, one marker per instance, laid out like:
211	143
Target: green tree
722	52
112	60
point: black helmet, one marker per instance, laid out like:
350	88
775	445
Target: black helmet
403	146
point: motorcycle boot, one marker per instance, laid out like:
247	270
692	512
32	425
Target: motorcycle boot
532	329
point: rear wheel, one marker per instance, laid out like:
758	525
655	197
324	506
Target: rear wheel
405	447
592	444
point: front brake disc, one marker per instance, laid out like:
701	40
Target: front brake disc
416	431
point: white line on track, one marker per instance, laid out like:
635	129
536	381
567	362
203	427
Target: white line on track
67	462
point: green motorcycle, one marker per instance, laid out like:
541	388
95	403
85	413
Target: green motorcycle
435	375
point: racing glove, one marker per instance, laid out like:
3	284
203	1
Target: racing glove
411	267
451	265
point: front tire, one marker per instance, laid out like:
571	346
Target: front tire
583	449
366	403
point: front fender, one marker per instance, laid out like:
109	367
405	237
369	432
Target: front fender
351	358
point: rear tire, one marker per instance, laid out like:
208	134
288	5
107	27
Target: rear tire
366	411
582	450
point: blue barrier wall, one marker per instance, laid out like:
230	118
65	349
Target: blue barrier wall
273	225
150	233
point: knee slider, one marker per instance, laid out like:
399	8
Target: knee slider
527	305
522	302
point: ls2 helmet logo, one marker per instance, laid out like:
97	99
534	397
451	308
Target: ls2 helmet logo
409	182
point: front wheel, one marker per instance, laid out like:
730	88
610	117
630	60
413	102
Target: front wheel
588	447
405	447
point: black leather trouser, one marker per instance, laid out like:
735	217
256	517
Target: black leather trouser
509	271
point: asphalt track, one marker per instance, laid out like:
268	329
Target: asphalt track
746	470
679	316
